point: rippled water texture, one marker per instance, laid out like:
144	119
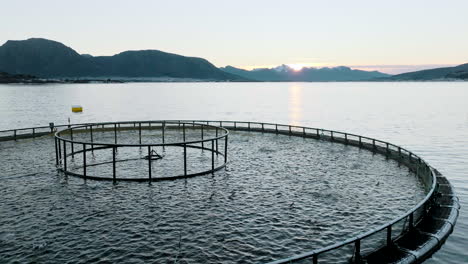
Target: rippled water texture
430	119
279	196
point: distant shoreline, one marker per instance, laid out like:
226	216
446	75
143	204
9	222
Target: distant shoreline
6	78
42	81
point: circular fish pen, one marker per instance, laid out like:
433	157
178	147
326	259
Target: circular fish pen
124	144
287	194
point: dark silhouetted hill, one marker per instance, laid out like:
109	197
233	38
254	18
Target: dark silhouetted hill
43	58
447	73
50	59
286	73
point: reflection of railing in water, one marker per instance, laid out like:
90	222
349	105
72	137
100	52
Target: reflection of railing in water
65	137
358	247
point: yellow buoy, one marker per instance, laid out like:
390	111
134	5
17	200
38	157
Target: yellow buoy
77	108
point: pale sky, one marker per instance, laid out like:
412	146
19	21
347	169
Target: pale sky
391	36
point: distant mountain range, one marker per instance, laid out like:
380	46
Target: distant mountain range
50	59
459	72
24	60
285	73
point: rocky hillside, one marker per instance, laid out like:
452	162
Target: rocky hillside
50	59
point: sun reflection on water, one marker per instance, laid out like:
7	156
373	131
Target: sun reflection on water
295	104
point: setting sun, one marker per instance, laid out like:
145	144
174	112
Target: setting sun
296	67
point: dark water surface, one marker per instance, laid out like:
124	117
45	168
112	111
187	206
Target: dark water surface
430	119
279	196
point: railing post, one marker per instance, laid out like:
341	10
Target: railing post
289	130
387	149
34	132
217	142
84	160
263	128
92	139
276	128
373	144
212	155
331	133
64	156
411	221
56	152
185	158
357	252
115	133
163	133
114	178
202	136
360	141
346	138
389	236
303	132
235	125
183	128
59	151
225	148
149	164
315	259
317	132
14	134
72	145
139	132
248	124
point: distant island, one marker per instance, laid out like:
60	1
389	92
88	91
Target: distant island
39	60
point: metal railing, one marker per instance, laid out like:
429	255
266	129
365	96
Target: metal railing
205	135
402	155
352	249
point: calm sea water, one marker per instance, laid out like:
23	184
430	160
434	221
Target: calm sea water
429	118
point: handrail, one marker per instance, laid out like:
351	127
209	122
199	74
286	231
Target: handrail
61	157
57	134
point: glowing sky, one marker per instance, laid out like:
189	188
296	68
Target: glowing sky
391	36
